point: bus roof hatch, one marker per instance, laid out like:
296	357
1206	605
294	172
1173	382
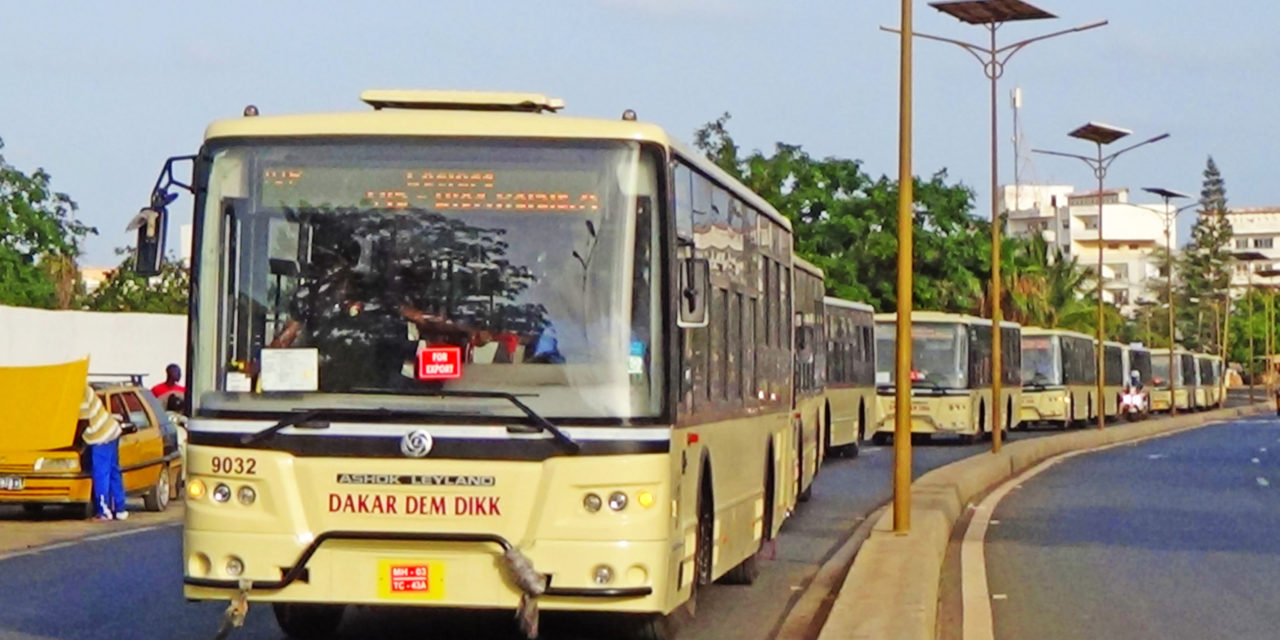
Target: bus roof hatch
461	100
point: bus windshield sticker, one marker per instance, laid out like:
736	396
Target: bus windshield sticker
441	362
290	369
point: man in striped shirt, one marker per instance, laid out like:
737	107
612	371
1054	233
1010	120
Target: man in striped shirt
102	434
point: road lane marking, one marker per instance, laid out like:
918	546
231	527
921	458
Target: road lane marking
1262	482
1255	460
999	596
1155	456
94	538
1263	449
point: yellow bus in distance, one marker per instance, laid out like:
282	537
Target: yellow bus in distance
459	351
851	374
1207	389
950	376
1116	372
1183	363
810	373
1058	374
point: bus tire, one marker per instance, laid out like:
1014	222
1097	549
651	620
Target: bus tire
702	556
881	438
307	621
807	492
851	450
655	627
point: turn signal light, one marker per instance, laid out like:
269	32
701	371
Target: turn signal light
195	489
645	499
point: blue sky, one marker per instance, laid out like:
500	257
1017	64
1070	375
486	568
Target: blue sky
100	96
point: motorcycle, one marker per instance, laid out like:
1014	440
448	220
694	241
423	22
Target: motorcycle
1133	403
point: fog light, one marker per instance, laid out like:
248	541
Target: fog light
246	495
617	501
602	574
195	489
198	565
235	566
221	493
591	502
645	499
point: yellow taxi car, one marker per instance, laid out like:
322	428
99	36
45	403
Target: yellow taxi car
43	459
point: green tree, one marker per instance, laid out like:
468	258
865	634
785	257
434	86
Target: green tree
39	240
1207	262
125	290
846	223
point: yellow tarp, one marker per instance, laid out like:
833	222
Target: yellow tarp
39	406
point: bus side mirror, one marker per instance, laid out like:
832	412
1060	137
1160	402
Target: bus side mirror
695	281
148	251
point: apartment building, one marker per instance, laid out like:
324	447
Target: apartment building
1069	220
1256	230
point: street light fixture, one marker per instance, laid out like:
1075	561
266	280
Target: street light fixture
1102	134
992	14
1249	257
1169	194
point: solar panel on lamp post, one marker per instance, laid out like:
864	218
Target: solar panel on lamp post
1169	194
1102	134
992	14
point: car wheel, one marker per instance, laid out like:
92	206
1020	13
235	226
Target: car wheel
306	621
157	498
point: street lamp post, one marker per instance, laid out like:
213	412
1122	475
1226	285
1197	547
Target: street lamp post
906	198
1169	194
1101	134
1248	258
992	14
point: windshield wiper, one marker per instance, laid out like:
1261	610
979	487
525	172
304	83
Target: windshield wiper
539	422
300	419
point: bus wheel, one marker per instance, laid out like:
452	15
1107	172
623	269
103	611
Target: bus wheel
655	627
306	621
706	534
851	450
881	438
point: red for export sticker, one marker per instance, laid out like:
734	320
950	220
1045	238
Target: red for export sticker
440	363
410	578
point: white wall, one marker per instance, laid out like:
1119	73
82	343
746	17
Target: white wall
115	342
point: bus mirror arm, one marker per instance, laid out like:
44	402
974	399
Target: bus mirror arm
150	223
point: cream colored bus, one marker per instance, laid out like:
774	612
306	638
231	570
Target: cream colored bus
1116	375
950	376
851	374
456	350
810	372
1210	367
1183	379
1058	374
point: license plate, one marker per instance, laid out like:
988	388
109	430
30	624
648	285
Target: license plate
11	483
410	580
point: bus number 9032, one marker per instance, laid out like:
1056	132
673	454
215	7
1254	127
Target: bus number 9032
236	465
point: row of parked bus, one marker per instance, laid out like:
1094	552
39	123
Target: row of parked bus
1048	376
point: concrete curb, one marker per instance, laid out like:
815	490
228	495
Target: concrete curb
891	592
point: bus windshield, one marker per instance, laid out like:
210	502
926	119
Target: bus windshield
1160	371
939	355
370	273
1041	360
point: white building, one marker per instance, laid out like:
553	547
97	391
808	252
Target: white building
1255	229
1069	220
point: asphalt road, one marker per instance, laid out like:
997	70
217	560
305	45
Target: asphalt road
130	586
1174	538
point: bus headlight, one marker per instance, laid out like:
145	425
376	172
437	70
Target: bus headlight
592	502
221	493
246	495
235	566
602	574
617	501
